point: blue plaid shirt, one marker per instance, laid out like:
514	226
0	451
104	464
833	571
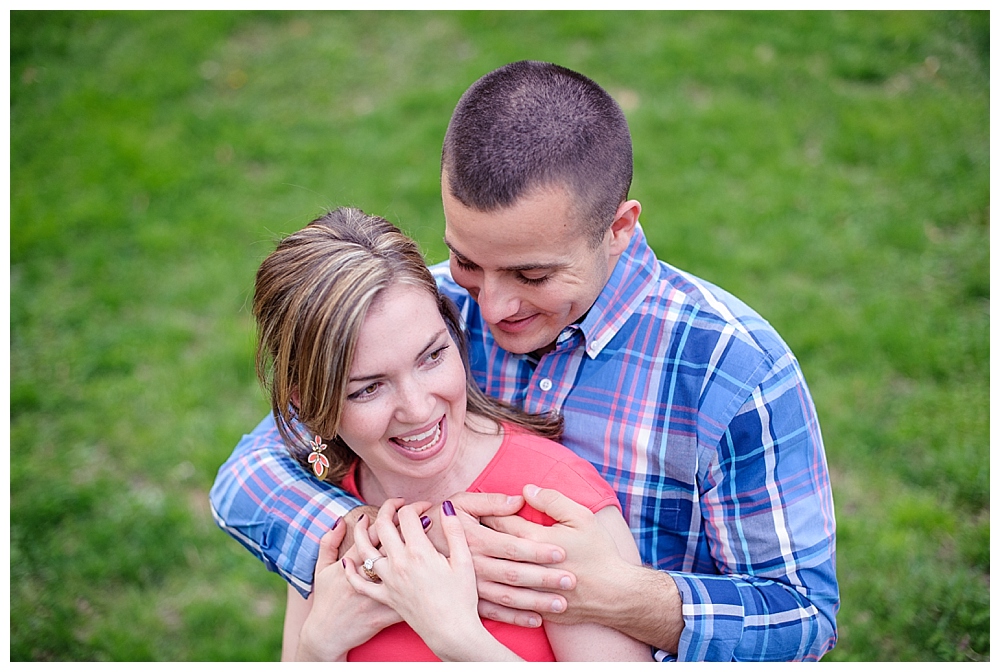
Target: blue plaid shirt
692	408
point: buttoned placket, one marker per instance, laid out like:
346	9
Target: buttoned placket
552	379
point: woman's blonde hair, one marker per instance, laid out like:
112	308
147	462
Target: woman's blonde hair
310	299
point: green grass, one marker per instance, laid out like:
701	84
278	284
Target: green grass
831	169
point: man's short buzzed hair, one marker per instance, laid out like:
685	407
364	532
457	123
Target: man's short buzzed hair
529	125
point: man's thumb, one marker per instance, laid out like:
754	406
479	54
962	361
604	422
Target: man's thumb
554	504
479	504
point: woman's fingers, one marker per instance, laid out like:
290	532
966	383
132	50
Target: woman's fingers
413	523
364	585
362	542
385	525
458	546
329	546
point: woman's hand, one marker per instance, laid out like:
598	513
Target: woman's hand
435	594
340	618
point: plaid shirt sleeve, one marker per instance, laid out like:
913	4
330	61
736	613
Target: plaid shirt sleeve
266	501
768	509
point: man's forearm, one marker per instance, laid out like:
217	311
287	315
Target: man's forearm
274	507
748	618
648	608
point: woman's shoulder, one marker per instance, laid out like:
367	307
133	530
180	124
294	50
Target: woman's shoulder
526	458
522	441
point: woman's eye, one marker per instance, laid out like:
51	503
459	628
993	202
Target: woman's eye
437	355
365	392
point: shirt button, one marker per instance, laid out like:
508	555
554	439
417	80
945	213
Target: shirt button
545	384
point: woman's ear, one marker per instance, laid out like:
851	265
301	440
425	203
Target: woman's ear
295	398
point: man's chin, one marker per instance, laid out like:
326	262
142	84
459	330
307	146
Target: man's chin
521	344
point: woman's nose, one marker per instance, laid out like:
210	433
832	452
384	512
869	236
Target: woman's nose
415	402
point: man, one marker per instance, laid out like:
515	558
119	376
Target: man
686	401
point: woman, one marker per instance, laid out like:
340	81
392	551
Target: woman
356	345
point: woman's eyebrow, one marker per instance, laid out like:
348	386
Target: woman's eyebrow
375	376
430	344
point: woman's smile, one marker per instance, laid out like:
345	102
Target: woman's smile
421	445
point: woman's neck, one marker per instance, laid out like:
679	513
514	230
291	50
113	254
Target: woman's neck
479	440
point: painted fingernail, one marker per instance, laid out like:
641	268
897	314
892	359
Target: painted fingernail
532	490
533	622
565	583
425	522
557	556
447	507
557	606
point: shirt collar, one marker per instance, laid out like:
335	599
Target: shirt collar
631	281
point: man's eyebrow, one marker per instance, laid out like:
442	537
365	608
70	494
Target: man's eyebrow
517	268
464	259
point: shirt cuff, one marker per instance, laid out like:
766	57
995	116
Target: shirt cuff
714	615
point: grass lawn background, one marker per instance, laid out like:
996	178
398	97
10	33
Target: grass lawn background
830	169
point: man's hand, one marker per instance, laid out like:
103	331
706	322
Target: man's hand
612	588
510	571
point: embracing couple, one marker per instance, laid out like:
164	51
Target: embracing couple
552	447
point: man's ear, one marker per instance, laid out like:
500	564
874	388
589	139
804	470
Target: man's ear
626	217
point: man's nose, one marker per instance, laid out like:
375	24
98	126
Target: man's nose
496	299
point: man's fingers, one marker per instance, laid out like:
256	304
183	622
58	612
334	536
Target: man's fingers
512	538
556	505
523	574
496	612
520	599
478	504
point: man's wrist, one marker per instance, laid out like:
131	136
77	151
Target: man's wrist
639	601
649	608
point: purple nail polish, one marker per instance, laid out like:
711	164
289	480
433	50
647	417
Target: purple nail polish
447	507
425	522
344	563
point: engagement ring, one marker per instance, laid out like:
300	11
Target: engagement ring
369	568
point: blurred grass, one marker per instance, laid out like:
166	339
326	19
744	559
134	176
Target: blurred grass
831	169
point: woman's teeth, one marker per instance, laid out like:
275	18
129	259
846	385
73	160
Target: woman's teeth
419	442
